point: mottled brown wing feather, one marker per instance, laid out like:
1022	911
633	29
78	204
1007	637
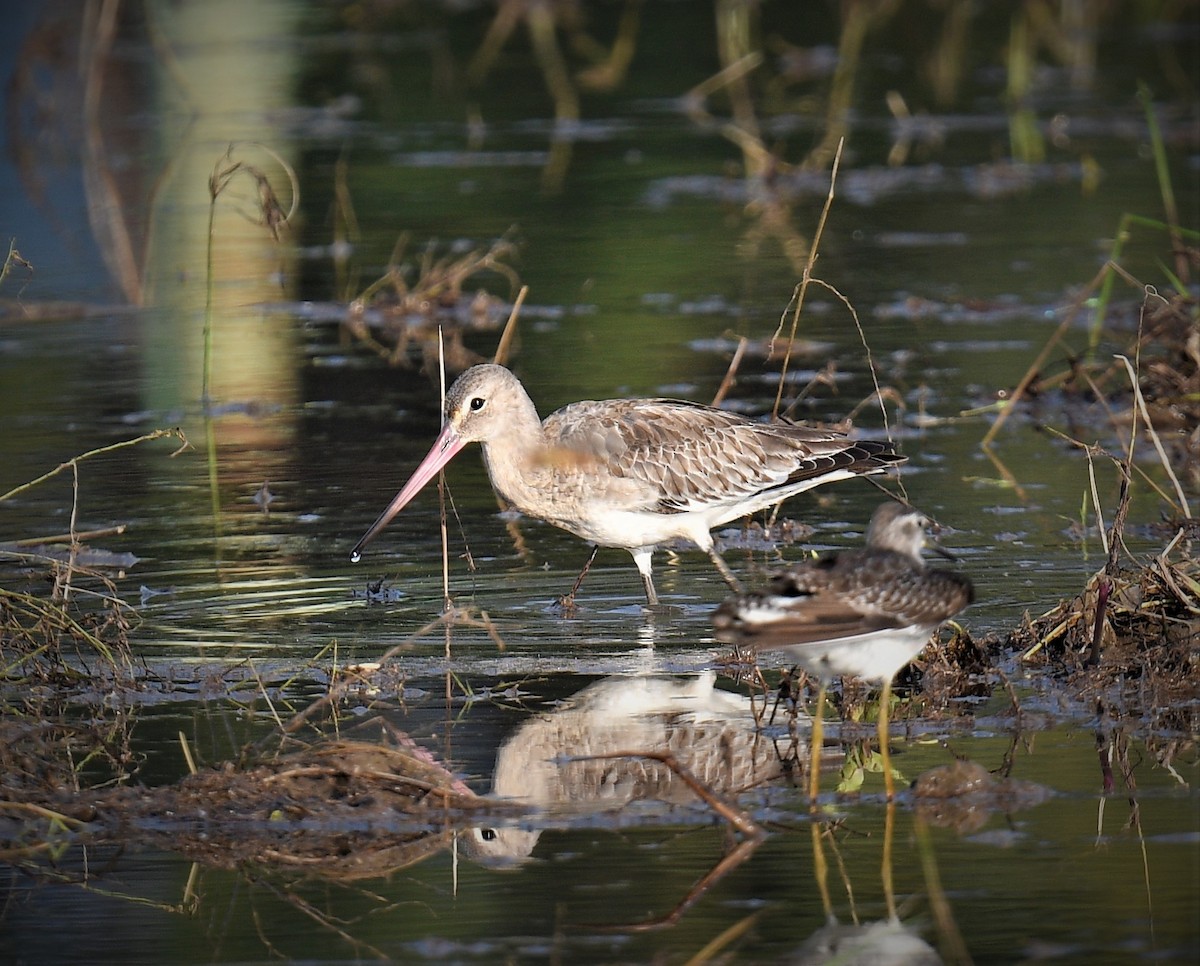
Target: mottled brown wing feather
823	618
880	583
854	592
697	456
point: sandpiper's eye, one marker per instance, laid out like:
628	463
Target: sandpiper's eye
487	834
477	403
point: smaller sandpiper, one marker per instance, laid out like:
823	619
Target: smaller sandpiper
865	613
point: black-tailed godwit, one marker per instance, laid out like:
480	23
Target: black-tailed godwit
633	473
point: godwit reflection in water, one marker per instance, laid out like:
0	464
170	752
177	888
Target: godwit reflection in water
614	744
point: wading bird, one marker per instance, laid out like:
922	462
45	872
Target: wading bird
865	613
633	473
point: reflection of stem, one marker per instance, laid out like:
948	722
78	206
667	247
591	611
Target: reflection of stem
447	602
757	157
1107	784
322	919
345	230
612	68
740	854
693	100
498	32
540	21
555	172
1025	139
821	869
885	864
946	63
1007	762
104	199
950	940
1170	209
708	954
736	817
1110	747
1135	819
885	754
735	42
214	492
513	527
860	18
845	877
1005	473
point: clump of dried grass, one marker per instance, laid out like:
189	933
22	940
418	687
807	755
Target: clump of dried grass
403	311
79	632
65	660
1135	629
1130	640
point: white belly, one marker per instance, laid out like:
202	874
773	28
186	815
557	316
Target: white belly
876	656
609	527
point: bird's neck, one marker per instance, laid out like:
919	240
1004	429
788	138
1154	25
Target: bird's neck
517	463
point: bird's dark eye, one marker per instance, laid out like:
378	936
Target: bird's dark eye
477	403
487	834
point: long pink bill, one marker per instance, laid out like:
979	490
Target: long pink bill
442	452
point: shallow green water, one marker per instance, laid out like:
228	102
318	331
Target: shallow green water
640	283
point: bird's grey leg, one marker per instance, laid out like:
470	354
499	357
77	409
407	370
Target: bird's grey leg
641	557
651	596
724	570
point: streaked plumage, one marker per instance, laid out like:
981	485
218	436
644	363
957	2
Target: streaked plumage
864	612
861	612
633	473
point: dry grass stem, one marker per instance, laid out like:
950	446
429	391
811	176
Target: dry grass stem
801	290
510	329
1182	505
730	373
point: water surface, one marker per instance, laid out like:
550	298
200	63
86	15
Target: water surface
645	265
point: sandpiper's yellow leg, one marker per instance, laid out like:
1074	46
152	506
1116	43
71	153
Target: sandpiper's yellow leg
885	755
815	741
